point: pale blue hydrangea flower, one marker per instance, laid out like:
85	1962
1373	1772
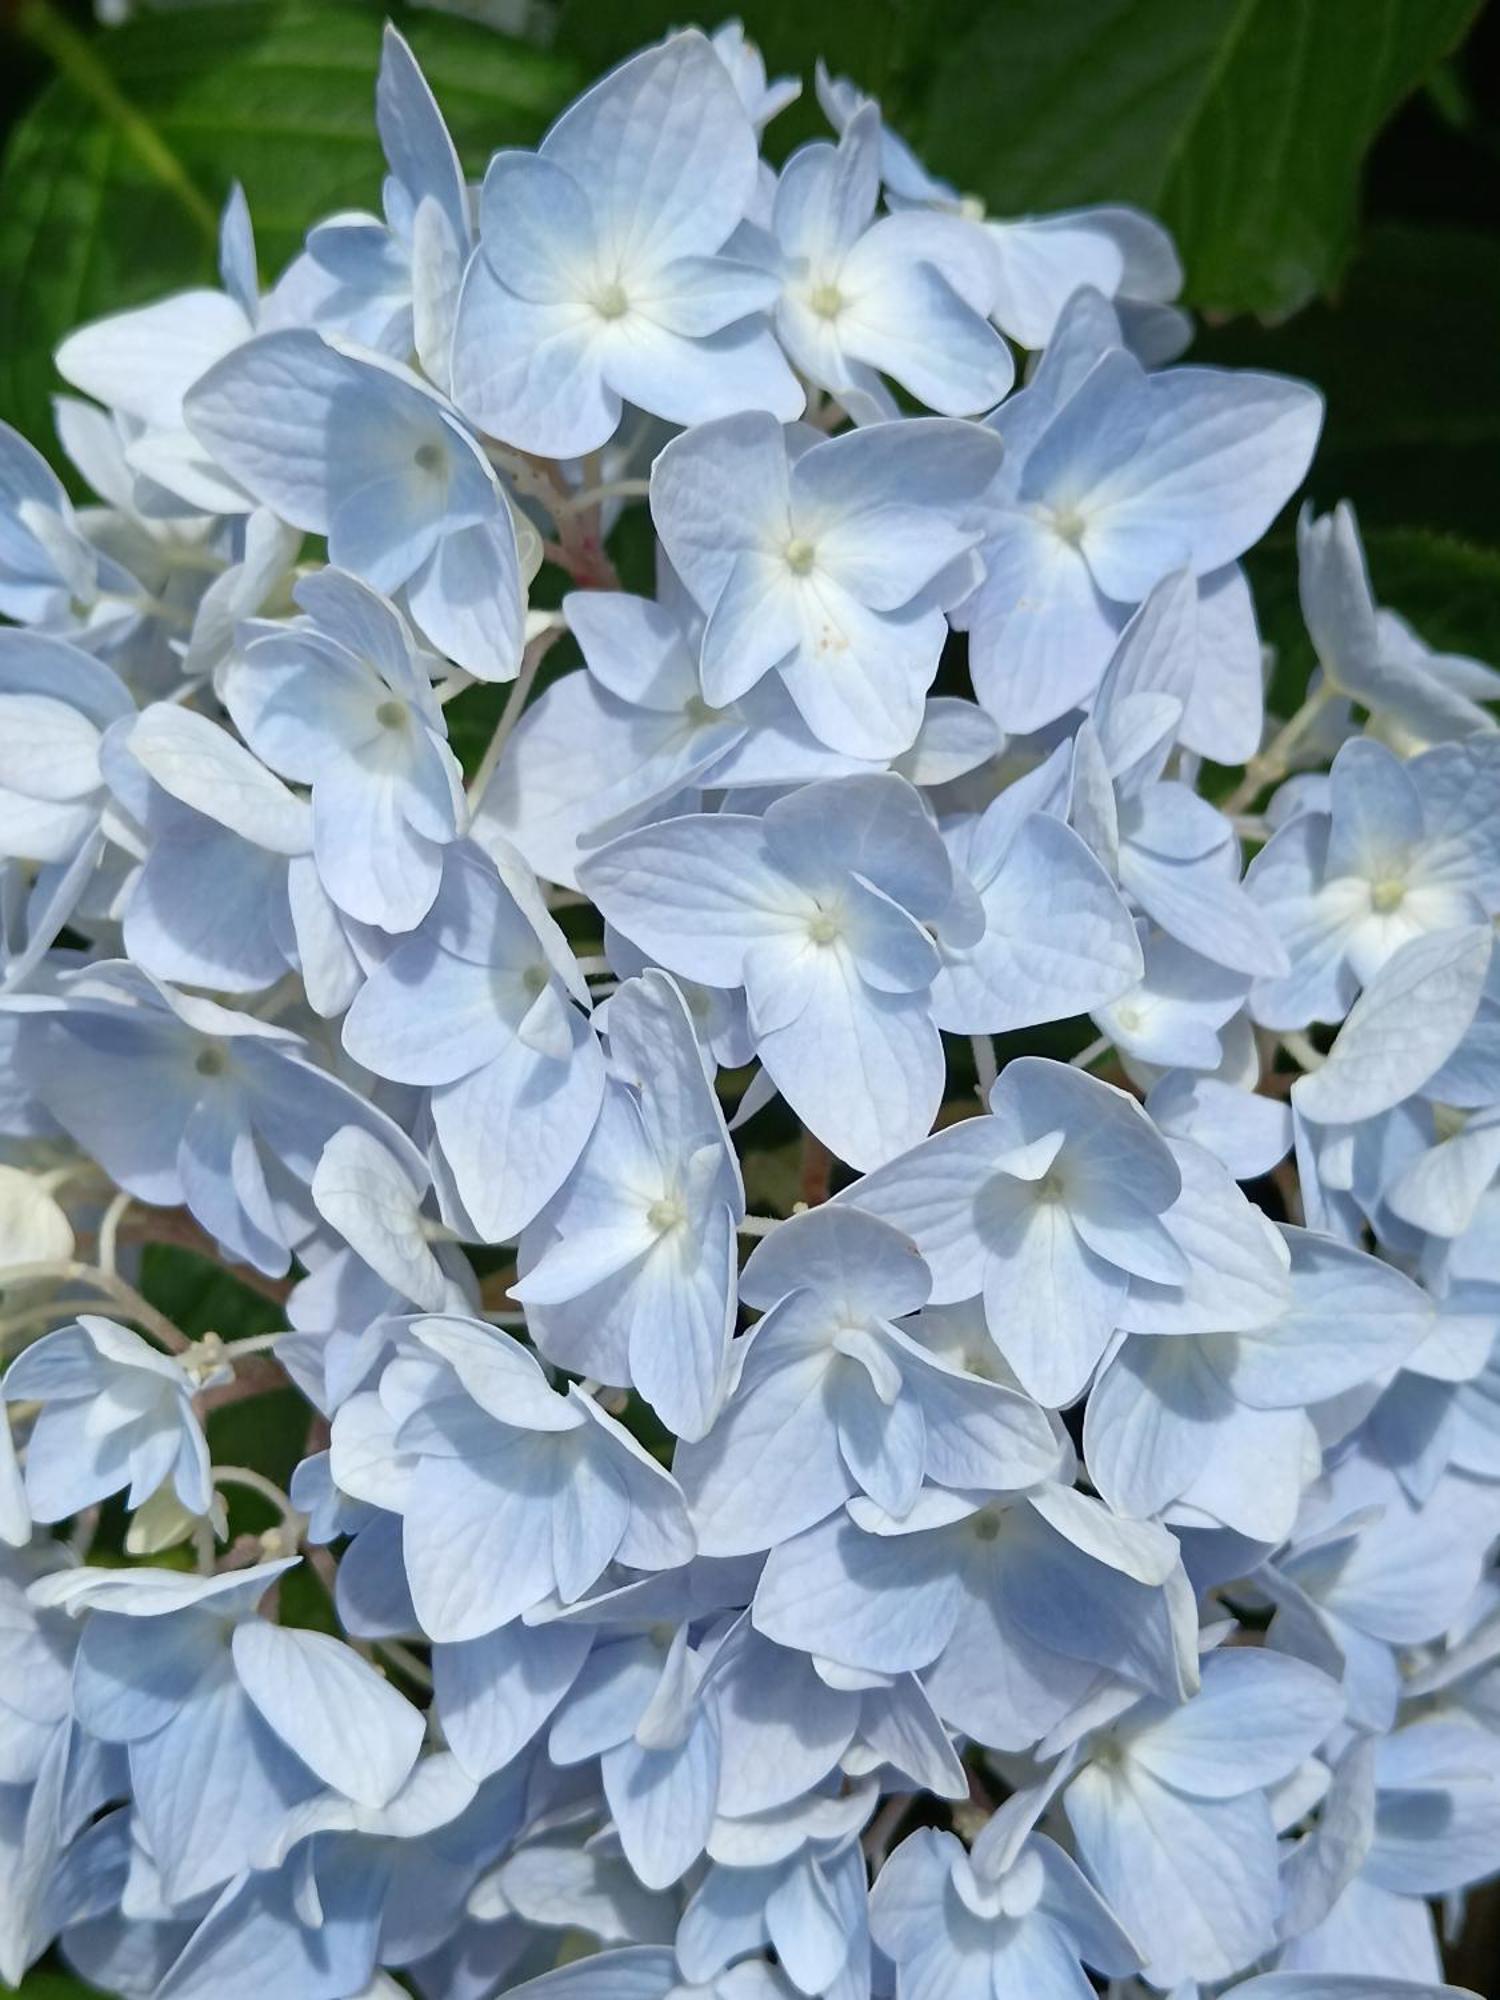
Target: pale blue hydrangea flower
1353	1586
392	284
644	1706
1399	850
51	1780
227	894
1371	656
832	1398
185	1101
796	1884
819	1720
1036	930
362	451
368	1195
511	1494
481	1004
827	561
600	277
763	98
116	1415
1177	1015
1221	1423
49	572
633	734
1007	1605
628	1275
229	1720
343	1885
218	835
863	297
56	704
1037	263
1175	855
1172	1817
343	702
1048	1207
950	1927
1114	478
141	365
1432	987
817	910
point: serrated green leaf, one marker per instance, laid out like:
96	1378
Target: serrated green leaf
277	96
1243	124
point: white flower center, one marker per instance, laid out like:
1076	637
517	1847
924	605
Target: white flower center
1387	895
827	301
610	301
800	557
666	1212
1069	524
392	714
826	927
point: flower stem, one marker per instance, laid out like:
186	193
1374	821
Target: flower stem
510	715
1270	765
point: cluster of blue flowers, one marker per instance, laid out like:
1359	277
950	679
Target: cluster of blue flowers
1039	1566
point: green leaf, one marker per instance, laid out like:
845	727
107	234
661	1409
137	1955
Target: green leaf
1406	357
1449	589
204	1297
110	182
55	1986
1243	124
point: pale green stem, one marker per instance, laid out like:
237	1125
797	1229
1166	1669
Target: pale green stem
126	1299
531	659
1091	1054
592	496
985	1067
1270	765
109	1231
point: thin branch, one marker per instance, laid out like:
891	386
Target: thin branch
1270	765
1091	1054
985	1068
536	651
126	1300
592	496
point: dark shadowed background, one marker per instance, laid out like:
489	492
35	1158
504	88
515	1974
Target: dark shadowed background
1331	169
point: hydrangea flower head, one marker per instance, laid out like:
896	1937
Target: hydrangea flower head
716	1282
